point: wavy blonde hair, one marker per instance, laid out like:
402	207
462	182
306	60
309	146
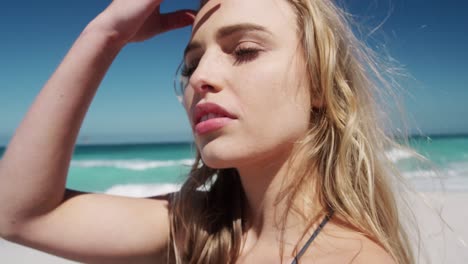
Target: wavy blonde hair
345	146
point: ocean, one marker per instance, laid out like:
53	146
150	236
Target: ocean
140	170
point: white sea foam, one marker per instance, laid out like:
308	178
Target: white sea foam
131	164
451	170
421	174
142	190
453	177
396	155
460	167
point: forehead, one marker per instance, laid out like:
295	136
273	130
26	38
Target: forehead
275	15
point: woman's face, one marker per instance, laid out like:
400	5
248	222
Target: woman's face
247	94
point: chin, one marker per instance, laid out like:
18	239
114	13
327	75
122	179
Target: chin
217	159
219	154
217	164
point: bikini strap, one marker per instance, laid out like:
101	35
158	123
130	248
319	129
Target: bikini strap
311	239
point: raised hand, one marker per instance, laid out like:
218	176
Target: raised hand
138	20
35	208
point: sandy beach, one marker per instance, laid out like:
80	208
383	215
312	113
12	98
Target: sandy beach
15	254
443	229
441	242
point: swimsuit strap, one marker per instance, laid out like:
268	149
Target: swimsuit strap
314	235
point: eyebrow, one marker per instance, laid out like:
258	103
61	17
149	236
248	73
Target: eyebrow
226	31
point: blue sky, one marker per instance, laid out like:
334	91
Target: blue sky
136	101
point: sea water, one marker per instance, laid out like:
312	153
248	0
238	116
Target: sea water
446	168
130	169
148	169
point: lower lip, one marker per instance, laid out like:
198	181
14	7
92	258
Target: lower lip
212	125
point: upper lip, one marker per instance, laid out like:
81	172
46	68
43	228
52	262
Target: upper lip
209	108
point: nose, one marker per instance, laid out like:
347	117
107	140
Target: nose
207	77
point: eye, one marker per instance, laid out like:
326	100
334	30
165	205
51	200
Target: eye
245	54
241	54
187	70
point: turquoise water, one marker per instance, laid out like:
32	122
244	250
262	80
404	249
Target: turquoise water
448	163
141	169
98	168
442	150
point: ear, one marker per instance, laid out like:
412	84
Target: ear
317	102
317	99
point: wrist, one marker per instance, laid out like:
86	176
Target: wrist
108	38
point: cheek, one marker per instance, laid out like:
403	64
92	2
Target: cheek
275	96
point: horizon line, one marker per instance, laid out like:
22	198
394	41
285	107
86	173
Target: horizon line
163	142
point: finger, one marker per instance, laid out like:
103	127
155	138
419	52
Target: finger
177	19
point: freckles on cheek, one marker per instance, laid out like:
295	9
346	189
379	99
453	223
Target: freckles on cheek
267	79
262	93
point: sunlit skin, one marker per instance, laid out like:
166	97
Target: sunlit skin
265	95
264	87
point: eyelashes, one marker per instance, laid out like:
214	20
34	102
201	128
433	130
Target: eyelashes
245	55
187	71
241	54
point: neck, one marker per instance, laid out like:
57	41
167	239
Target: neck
261	186
262	182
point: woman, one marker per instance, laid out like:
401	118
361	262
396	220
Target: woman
289	166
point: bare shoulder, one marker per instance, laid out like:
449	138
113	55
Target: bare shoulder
341	245
372	253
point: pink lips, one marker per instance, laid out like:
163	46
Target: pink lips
220	117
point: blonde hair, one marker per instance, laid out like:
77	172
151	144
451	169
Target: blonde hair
345	146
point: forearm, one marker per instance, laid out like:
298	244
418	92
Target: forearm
34	167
